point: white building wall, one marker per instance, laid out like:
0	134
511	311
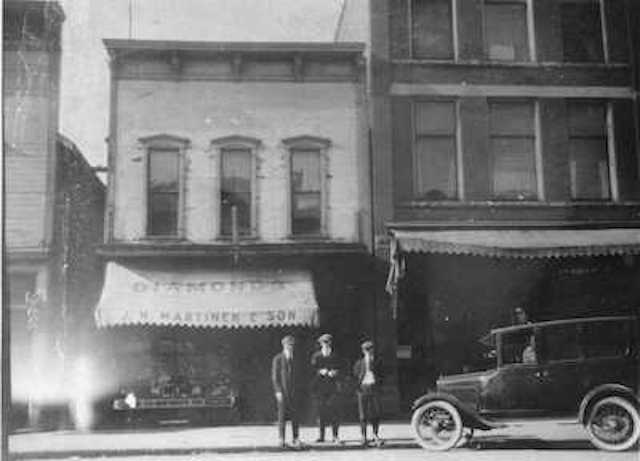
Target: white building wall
269	111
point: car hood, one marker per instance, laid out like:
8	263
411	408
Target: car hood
466	387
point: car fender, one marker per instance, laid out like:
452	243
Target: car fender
470	417
605	390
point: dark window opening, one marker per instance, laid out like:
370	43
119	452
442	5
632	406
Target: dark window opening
582	32
306	192
431	34
512	143
435	163
236	191
505	29
588	152
163	192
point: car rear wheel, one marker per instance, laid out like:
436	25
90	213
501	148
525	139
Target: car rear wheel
437	425
613	424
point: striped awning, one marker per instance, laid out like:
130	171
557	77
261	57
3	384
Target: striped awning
206	298
531	243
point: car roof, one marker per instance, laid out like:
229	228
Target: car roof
549	323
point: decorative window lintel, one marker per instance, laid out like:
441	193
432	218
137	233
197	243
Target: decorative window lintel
165	140
236	141
307	142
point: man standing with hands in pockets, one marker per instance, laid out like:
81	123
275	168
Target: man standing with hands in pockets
326	366
286	378
368	373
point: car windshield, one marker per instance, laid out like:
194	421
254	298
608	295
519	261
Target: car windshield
483	355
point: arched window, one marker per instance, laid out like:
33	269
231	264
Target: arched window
237	211
165	197
308	169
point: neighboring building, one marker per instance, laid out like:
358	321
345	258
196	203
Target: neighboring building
50	193
505	166
238	211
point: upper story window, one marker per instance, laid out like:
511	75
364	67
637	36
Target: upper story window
588	152
308	170
435	151
506	30
164	185
237	189
512	143
582	31
432	29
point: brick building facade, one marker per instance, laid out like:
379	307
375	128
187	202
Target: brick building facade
505	165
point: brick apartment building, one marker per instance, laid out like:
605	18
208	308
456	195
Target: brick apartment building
505	165
53	208
237	213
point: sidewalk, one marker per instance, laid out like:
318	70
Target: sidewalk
254	438
184	440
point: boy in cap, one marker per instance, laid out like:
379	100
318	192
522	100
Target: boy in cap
326	366
286	379
368	373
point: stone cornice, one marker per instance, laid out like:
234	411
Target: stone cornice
235	61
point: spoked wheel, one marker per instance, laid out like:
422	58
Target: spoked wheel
437	425
613	424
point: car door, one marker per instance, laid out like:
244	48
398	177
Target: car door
560	371
513	391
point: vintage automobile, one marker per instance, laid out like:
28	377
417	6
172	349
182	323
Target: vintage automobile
586	368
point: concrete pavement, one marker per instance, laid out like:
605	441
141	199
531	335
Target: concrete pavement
250	440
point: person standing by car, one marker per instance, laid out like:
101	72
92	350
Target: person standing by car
326	366
286	378
368	373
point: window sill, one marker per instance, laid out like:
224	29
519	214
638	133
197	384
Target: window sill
163	238
497	63
241	238
308	237
513	203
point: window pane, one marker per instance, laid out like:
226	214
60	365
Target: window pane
235	191
163	192
587	119
306	192
589	168
163	170
435	118
506	31
559	343
514	345
432	31
163	213
436	168
306	213
514	171
305	170
511	118
582	32
606	339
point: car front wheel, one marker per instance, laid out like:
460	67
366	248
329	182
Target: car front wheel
437	425
613	424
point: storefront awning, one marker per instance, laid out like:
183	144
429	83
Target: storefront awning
534	243
206	298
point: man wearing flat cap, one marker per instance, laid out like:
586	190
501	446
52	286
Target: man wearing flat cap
327	367
287	379
368	373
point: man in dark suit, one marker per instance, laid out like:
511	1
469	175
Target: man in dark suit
286	375
327	368
368	373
